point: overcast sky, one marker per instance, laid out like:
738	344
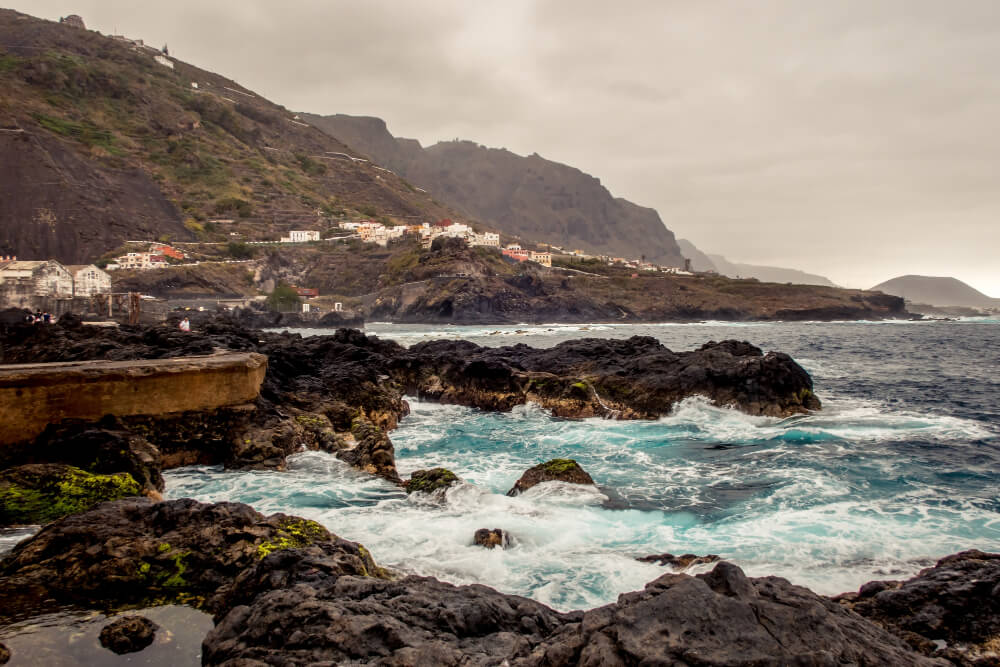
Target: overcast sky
858	139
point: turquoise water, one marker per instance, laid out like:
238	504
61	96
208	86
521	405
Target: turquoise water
901	467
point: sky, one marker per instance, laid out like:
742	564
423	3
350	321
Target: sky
857	139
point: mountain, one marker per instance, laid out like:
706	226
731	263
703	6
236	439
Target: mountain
104	140
767	274
530	197
699	260
936	291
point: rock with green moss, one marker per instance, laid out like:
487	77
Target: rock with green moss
39	493
555	470
429	481
172	551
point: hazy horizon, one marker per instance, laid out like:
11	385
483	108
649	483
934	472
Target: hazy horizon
845	140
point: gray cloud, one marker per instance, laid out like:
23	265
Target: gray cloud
855	139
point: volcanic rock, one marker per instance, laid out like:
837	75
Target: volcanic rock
556	470
373	452
105	447
134	548
678	562
490	539
293	612
4	655
957	601
41	492
428	481
128	634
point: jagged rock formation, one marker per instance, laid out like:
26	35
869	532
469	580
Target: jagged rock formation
936	291
529	197
556	470
636	378
38	493
950	610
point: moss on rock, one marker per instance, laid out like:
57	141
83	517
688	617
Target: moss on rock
41	493
428	481
293	533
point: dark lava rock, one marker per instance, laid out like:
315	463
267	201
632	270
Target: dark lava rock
373	452
490	539
128	634
4	655
556	470
41	492
678	562
105	447
722	618
635	378
317	618
134	548
294	612
429	481
957	601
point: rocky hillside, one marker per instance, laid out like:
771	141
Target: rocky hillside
101	143
937	291
530	197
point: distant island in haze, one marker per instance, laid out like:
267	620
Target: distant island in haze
936	291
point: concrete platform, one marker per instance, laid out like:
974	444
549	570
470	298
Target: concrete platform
35	395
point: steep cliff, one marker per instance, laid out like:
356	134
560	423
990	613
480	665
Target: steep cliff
531	197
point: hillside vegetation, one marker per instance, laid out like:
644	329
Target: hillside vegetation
103	144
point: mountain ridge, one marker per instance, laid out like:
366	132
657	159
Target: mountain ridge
526	196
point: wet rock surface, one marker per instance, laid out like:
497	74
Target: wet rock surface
955	604
128	634
682	562
556	470
719	618
135	549
635	378
429	481
491	538
41	492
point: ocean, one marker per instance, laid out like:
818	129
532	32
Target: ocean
901	467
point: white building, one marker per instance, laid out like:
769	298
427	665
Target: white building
488	239
543	258
299	236
21	281
89	280
140	261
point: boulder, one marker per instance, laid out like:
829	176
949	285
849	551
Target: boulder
491	538
956	602
556	470
128	634
42	492
722	618
678	562
106	447
4	654
373	451
178	549
429	481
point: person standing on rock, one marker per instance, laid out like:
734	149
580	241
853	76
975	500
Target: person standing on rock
185	325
